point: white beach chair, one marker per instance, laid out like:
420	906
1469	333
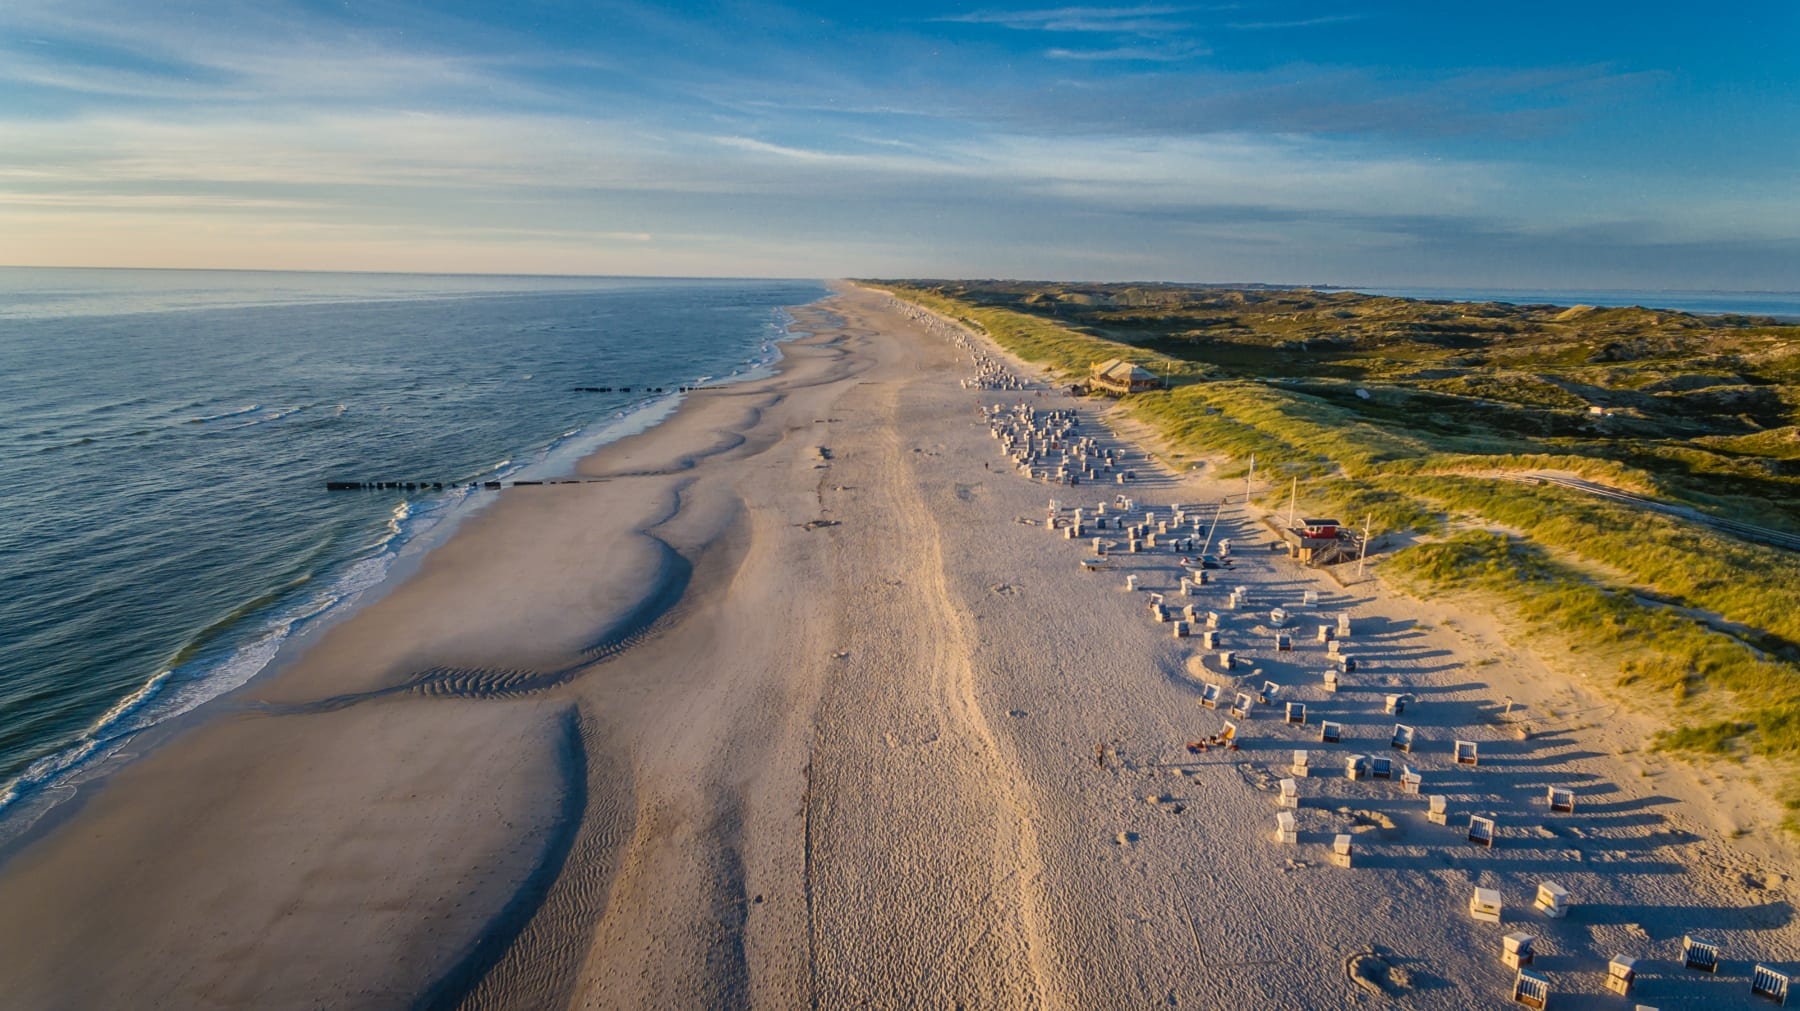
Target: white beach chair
1395	704
1330	732
1269	690
1356	767
1309	597
1484	905
1402	741
1769	983
1227	659
1181	629
1481	831
1343	626
1278	617
1410	781
1324	633
1331	648
1290	794
1210	639
1331	680
1515	949
1340	850
1699	955
1296	712
1437	809
1561	799
1240	707
1209	696
1287	830
1381	768
1465	753
1553	900
1300	767
1283	644
1531	989
1620	973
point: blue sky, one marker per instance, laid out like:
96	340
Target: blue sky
1486	144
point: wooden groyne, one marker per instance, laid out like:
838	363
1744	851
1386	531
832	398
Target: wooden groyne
451	485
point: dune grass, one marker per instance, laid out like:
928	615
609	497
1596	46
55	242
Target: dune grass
1735	693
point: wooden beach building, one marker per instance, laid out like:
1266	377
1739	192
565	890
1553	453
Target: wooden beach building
1115	375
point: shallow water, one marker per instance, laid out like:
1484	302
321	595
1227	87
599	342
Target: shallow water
169	434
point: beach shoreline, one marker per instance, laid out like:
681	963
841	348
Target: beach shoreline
801	705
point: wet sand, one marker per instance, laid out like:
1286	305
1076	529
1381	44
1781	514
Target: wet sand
793	711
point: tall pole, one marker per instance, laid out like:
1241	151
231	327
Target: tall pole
1363	555
1292	495
1251	473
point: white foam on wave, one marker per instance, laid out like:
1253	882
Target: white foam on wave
203	419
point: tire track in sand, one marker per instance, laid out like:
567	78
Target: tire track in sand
953	680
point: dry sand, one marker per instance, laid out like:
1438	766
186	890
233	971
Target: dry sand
667	740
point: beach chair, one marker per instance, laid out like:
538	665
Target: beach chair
1181	628
1348	662
1156	598
1309	597
1553	900
1437	809
1212	619
1278	617
1619	974
1299	768
1229	732
1484	905
1209	696
1290	794
1515	949
1481	831
1296	712
1324	633
1402	740
1343	626
1465	753
1092	564
1531	990
1331	649
1159	613
1395	704
1410	781
1191	615
1769	984
1331	681
1699	955
1283	644
1562	799
1227	659
1210	640
1269	690
1330	732
1340	850
1381	768
1356	767
1131	582
1240	707
1287	830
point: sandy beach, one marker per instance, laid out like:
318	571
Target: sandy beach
806	704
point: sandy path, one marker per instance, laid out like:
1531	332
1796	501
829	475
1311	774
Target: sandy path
754	724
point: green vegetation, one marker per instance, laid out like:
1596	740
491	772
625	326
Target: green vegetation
1431	417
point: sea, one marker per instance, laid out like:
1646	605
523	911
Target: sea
164	521
1783	305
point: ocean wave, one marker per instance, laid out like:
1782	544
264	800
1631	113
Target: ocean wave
203	419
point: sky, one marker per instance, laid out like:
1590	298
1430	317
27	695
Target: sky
1474	143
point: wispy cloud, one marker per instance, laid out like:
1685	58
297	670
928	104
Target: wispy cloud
1328	19
1107	20
1173	53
